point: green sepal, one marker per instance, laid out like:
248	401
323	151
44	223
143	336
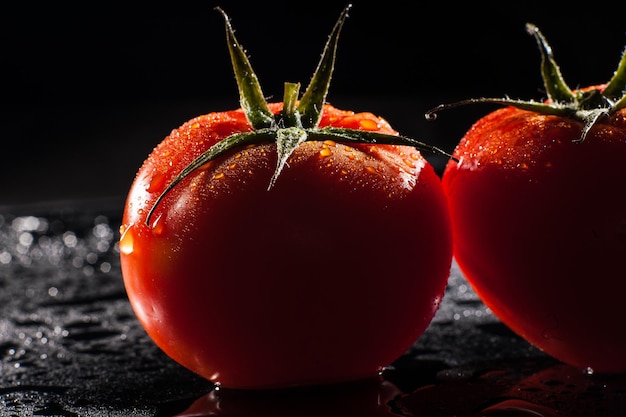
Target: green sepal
588	107
615	89
556	88
251	96
313	99
287	140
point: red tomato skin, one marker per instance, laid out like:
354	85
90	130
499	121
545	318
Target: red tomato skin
327	277
539	228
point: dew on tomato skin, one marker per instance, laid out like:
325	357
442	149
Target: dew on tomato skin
325	152
371	170
126	240
368	124
409	163
158	226
156	183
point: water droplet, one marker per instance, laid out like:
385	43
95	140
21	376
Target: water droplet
324	152
158	226
371	170
127	241
156	183
367	124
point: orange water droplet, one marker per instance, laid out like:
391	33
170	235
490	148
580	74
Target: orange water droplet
195	125
158	226
329	142
127	240
156	183
324	152
368	124
371	169
205	166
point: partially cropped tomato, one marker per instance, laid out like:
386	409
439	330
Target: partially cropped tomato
287	243
538	209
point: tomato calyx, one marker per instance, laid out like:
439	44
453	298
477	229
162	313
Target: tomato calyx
588	106
298	121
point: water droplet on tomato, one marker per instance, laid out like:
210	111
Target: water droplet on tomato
158	226
325	151
371	169
127	240
367	124
156	183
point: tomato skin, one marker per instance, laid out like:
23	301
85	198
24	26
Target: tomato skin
327	277
539	227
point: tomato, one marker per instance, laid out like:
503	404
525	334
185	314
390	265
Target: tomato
538	215
287	243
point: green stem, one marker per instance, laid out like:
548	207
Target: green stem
291	117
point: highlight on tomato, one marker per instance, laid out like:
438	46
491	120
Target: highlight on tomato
286	243
538	213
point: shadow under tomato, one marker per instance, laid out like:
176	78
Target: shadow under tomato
372	398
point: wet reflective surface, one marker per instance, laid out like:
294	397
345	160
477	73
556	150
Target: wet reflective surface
70	346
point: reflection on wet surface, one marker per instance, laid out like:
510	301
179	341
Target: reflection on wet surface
70	346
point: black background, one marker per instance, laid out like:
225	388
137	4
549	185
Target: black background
89	89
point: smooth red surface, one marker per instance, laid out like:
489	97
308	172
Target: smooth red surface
327	277
539	226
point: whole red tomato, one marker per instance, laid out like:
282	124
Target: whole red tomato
538	211
288	243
